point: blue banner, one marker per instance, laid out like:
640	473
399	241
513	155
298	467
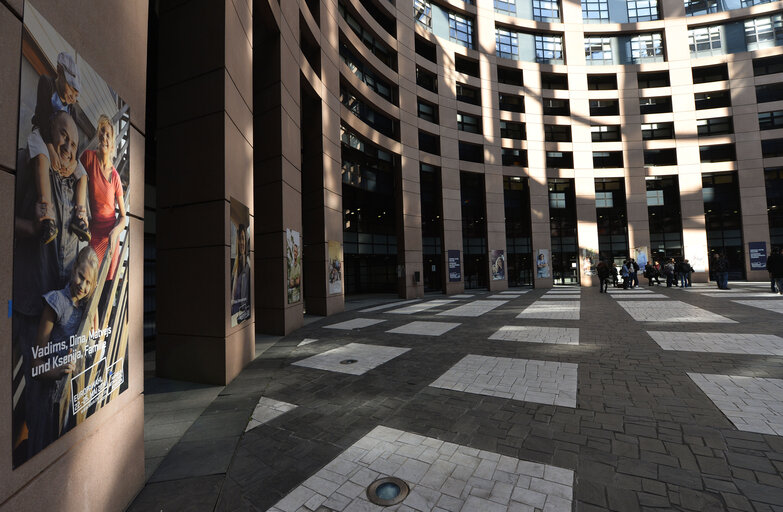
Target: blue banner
758	255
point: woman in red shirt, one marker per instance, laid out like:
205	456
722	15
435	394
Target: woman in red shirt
105	191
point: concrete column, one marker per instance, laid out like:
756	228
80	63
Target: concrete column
205	158
750	170
452	224
277	165
541	232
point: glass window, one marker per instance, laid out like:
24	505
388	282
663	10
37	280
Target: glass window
697	7
653	131
655	105
595	11
646	48
422	12
768	65
557	200
549	49
705	40
461	30
604	107
506	6
655	198
715	126
546	10
468	94
367	76
427	111
749	3
511	102
642	10
511	130
556	107
764	32
770	120
598	50
605	133
506	44
557	133
468	123
604	200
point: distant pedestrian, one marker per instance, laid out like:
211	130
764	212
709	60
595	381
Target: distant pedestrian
649	273
625	273
688	272
605	271
633	269
721	271
775	269
668	272
679	268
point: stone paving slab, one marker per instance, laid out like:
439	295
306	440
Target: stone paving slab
461	296
552	310
727	343
670	311
266	410
543	382
424	306
425	328
767	295
366	358
776	306
390	305
356	323
475	308
533	334
442	476
753	404
514	292
560	296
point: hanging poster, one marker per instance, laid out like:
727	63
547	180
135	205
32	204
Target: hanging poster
542	263
497	267
455	267
335	267
758	255
240	263
640	255
293	256
588	259
71	242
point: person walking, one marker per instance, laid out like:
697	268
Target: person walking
679	268
722	271
668	271
626	275
604	273
775	269
688	271
633	269
649	273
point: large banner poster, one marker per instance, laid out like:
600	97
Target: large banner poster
497	265
70	289
240	262
293	260
335	267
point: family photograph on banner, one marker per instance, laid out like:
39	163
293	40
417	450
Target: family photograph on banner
293	258
240	263
71	241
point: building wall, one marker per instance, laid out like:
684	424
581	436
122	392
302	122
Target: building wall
99	465
677	61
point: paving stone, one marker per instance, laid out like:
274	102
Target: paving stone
421	328
533	334
474	309
366	358
729	343
552	310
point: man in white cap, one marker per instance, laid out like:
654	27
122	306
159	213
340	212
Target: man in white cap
54	95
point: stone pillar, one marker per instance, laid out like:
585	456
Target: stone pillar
750	164
205	162
277	174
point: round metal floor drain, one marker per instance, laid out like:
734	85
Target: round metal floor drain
348	361
387	491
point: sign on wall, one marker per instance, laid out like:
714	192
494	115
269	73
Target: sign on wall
335	270
758	255
497	266
542	263
293	257
455	267
239	263
71	242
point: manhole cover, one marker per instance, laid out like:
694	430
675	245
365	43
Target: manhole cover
348	361
387	491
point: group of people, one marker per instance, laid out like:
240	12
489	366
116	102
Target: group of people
59	248
676	273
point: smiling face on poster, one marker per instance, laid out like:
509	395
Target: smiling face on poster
240	263
71	242
542	263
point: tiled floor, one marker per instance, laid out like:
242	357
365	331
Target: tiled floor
742	295
423	306
442	476
639	412
543	382
475	308
670	311
461	296
770	305
552	310
354	358
726	343
266	410
753	404
389	305
356	323
424	328
533	334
